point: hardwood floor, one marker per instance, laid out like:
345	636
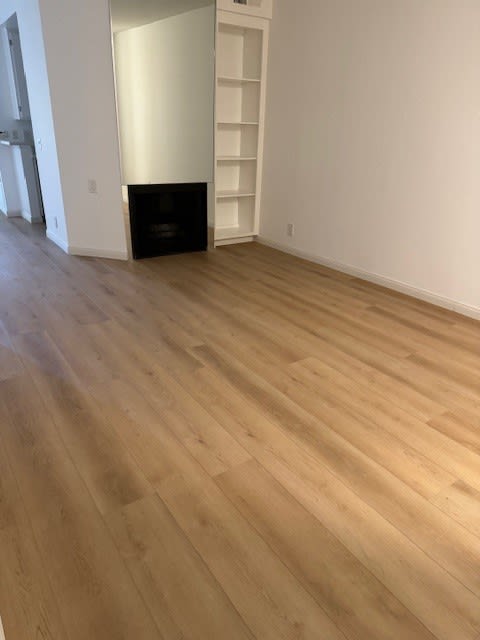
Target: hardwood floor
232	445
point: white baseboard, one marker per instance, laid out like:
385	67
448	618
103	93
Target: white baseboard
57	240
389	283
13	214
110	254
86	252
224	243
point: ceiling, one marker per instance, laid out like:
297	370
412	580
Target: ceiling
127	14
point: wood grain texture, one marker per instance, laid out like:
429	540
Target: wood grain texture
237	444
318	559
183	596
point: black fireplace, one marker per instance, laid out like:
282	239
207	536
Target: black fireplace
168	218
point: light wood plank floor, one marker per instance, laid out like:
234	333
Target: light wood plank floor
232	445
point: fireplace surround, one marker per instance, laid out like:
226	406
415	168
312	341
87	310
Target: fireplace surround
168	218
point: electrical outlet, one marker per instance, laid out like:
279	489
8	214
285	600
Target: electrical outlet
290	230
92	186
56	222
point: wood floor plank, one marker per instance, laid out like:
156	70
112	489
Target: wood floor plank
462	503
447	452
316	557
410	466
417	581
440	336
152	545
323	399
106	467
355	361
27	604
206	440
460	427
391	498
270	600
236	443
10	365
96	595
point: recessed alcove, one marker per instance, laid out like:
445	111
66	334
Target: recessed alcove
168	218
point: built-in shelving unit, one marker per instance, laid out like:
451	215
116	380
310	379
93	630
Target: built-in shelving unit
241	61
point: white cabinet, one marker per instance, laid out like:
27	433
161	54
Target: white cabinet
241	73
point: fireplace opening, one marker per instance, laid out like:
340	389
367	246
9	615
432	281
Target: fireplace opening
168	218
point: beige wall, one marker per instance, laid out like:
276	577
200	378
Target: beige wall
373	139
165	89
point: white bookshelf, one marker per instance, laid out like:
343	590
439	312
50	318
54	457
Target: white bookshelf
241	66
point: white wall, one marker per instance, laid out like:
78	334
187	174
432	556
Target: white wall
373	140
80	68
165	92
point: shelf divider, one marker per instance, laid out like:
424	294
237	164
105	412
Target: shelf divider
236	159
239	123
235	194
237	80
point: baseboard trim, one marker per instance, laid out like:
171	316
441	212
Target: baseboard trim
57	240
230	241
72	250
109	254
389	283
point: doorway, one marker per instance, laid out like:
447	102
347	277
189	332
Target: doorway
21	194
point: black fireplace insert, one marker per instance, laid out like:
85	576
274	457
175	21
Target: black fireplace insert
168	218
